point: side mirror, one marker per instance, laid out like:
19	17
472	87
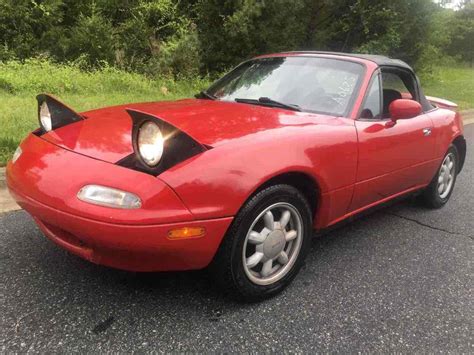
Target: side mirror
402	109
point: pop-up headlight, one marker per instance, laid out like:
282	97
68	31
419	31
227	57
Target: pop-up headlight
53	114
157	145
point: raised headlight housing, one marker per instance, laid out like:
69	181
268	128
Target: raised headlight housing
53	114
157	145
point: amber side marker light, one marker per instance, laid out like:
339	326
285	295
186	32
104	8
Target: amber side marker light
186	233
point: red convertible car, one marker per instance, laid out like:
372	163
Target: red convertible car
237	179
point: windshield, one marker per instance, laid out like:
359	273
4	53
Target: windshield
313	84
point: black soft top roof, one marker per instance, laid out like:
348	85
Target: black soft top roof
378	59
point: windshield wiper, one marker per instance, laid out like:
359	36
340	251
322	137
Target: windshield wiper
205	95
268	102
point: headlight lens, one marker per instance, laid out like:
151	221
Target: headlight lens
109	197
45	117
150	143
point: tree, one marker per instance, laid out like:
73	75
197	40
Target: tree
171	37
233	30
398	28
462	34
22	25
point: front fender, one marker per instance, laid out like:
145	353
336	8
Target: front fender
217	182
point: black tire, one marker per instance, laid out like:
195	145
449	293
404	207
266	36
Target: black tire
227	267
430	196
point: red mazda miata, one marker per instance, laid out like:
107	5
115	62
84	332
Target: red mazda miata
238	178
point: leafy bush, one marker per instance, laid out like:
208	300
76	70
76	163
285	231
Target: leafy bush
92	40
181	37
22	25
155	38
461	30
179	56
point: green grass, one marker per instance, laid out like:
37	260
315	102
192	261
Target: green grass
454	83
20	83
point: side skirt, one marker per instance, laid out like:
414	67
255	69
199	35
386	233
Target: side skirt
370	209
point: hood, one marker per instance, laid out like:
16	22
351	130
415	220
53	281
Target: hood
105	134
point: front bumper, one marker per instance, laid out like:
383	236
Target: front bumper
44	181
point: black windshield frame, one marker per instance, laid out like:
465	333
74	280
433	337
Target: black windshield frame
351	102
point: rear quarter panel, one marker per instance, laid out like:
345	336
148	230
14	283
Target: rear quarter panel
447	125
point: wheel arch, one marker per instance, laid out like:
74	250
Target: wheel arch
303	182
460	143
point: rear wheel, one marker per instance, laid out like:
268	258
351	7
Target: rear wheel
441	187
266	244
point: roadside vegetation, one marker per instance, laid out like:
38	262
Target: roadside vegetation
452	82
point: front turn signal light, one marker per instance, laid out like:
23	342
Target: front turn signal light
186	232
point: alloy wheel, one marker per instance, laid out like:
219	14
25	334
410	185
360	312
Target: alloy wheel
272	244
446	175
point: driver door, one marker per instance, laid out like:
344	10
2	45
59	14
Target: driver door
395	159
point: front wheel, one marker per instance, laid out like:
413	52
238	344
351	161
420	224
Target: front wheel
265	247
441	187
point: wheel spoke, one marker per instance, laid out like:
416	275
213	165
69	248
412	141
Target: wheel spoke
254	260
269	220
291	235
441	188
440	178
450	165
285	218
267	268
256	238
282	258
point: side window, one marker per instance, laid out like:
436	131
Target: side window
396	84
372	107
392	81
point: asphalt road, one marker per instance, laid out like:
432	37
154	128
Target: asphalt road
398	280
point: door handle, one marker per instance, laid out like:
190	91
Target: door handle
426	131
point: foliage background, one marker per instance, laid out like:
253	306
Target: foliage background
187	38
